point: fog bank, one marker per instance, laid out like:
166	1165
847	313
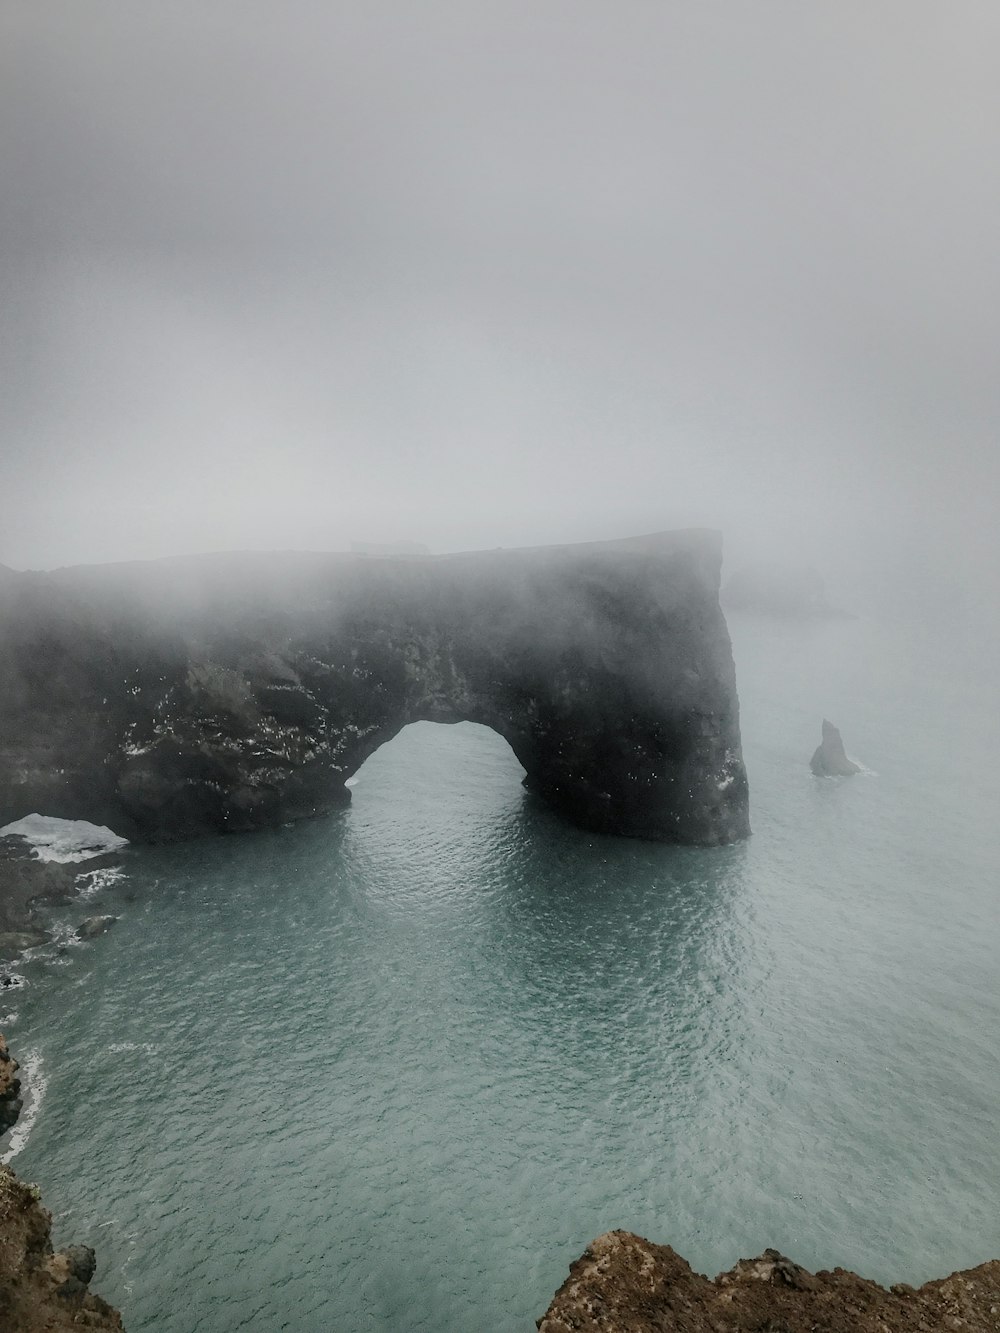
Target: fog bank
475	277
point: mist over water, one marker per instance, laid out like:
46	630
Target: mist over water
506	276
478	276
393	1069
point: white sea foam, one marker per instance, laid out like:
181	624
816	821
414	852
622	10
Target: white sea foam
33	1085
129	1047
64	839
64	934
90	882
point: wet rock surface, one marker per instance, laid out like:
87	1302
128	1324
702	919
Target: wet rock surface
830	758
625	1284
172	698
93	926
26	882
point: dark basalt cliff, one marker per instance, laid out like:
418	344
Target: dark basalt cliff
624	1284
172	698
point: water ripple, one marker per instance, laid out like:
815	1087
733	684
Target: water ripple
390	1070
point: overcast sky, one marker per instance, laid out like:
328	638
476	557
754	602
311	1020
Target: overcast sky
480	274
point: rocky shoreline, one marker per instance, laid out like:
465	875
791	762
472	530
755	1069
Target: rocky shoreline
26	882
10	1088
625	1284
40	1288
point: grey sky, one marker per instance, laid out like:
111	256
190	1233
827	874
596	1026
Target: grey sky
478	275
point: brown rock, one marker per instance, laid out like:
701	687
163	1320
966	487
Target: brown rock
10	1088
624	1284
40	1289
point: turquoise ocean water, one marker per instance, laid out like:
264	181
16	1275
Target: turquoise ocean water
391	1070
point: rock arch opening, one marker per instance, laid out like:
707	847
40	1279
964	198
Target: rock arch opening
460	763
232	692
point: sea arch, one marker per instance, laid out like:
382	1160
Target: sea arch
242	691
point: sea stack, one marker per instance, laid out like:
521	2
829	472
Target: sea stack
830	759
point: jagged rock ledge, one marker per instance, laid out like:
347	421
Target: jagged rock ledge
624	1284
40	1289
221	693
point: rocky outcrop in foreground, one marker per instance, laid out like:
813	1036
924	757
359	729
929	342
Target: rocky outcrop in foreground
221	693
10	1088
830	758
39	1288
624	1284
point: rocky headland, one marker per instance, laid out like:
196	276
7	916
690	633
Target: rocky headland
624	1284
221	693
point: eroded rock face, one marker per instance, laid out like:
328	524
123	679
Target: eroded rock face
173	698
624	1284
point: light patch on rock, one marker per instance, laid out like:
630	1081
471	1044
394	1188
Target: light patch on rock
64	839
